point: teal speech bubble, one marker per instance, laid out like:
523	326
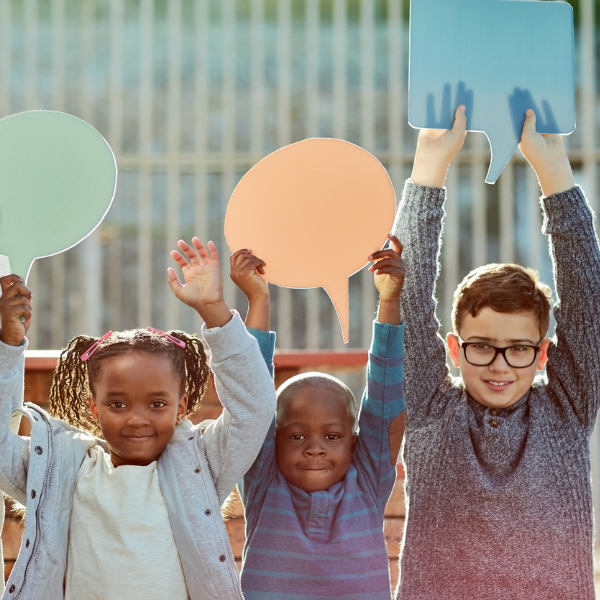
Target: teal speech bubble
498	58
58	177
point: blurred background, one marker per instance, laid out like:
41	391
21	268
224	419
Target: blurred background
192	93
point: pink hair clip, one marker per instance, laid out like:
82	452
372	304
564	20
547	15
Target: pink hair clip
177	342
88	353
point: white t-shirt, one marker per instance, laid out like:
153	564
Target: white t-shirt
121	544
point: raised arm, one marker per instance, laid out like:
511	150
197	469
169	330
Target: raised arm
14	450
246	271
243	382
419	226
573	366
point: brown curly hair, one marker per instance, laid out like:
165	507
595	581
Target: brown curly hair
73	379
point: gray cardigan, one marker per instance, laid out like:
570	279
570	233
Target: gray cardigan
500	512
197	471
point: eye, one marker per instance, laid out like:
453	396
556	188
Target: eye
481	347
333	436
158	404
520	349
118	405
297	437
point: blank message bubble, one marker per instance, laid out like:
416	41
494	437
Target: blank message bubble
313	211
57	181
498	58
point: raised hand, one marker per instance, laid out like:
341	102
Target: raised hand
14	304
546	154
389	272
435	150
246	271
203	289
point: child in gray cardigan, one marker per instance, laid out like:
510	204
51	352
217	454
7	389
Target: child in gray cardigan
498	467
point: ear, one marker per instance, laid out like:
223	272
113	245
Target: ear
543	359
93	409
453	348
182	408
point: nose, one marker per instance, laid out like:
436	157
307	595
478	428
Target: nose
315	448
500	365
137	419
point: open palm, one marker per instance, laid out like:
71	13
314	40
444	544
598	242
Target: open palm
202	273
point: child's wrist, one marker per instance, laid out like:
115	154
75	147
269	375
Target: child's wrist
429	174
389	311
216	314
556	177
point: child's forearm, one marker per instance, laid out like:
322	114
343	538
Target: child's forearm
259	313
389	312
556	177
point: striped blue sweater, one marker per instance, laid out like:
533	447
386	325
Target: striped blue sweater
304	546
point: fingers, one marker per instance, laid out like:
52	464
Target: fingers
529	125
202	251
396	244
182	262
386	263
8	280
385	253
460	120
190	252
214	254
173	280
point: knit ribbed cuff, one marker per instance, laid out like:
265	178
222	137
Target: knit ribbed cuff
10	357
565	211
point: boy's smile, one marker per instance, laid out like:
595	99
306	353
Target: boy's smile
314	440
497	385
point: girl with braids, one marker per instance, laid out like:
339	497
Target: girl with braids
123	493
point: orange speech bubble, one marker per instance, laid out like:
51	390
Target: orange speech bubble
313	211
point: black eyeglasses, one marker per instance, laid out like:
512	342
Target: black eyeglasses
519	356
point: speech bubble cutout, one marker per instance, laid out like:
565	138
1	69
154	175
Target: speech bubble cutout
57	181
498	58
313	211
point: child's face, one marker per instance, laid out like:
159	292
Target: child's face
314	439
498	385
137	403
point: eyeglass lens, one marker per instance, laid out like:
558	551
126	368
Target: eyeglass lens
516	356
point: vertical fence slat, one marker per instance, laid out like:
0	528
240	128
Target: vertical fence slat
340	86
90	265
172	305
396	106
201	113
5	58
367	136
507	191
478	202
144	298
450	248
229	122
588	99
57	262
284	133
534	220
31	99
312	130
257	81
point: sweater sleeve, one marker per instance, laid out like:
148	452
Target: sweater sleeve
245	389
14	450
418	226
382	404
252	487
573	360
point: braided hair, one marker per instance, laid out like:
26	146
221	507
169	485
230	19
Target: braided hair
73	379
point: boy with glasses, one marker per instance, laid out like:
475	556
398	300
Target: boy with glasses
498	468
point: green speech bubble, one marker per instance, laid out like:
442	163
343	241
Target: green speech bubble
58	177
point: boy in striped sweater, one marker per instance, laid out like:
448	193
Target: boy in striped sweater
315	496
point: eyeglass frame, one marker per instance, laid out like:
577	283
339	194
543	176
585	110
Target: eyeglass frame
497	351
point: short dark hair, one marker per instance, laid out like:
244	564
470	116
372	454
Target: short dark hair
505	288
318	380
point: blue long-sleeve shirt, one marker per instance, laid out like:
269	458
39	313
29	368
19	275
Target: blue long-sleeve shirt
329	543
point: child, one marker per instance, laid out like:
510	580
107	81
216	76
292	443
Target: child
315	496
498	467
136	514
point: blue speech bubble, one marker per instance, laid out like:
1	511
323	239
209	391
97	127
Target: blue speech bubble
498	58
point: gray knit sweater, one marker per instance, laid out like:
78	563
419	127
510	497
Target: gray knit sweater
505	512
